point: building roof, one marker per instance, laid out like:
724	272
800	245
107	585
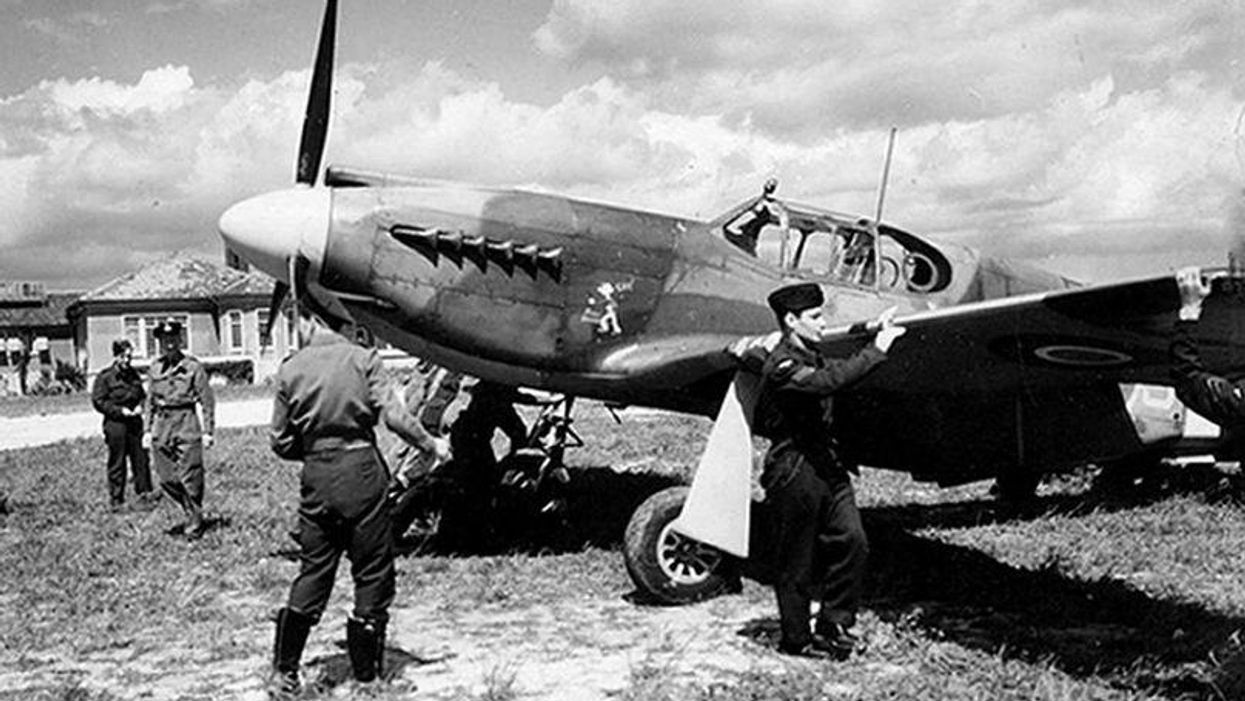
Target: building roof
181	276
50	313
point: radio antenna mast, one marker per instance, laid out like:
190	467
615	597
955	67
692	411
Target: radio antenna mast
886	172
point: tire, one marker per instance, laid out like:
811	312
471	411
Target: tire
666	567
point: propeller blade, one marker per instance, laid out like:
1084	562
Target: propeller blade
279	291
299	265
316	120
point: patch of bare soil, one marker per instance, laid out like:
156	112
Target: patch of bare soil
572	650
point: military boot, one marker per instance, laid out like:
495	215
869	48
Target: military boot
365	642
195	526
837	640
287	652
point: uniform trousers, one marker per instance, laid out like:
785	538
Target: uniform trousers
820	548
179	464
124	439
177	453
343	510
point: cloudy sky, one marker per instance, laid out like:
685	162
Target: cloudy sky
1103	140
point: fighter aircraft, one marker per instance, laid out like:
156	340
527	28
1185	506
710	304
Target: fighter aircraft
1006	371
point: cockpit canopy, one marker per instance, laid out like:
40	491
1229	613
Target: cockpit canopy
828	246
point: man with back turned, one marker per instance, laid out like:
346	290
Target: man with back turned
329	398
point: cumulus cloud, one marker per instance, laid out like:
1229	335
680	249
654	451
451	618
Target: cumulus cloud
799	66
1115	165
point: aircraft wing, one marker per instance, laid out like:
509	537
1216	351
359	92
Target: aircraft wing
978	389
1109	333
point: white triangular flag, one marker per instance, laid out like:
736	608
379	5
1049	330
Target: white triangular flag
718	507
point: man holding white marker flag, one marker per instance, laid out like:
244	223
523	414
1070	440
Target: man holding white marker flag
818	543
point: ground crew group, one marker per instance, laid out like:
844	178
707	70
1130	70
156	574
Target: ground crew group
330	397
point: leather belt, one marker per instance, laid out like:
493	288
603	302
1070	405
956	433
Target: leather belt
336	443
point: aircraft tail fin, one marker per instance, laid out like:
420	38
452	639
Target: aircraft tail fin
718	507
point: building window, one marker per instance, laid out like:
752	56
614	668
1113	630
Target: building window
4	352
261	317
43	349
134	334
140	331
233	334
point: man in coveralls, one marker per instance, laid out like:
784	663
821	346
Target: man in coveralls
1217	398
819	543
329	398
426	406
473	470
178	383
118	395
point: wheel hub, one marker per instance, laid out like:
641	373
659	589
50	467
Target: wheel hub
683	560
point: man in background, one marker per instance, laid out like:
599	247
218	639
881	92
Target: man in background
178	387
1217	398
118	395
745	229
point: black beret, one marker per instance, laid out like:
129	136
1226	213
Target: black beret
796	298
167	328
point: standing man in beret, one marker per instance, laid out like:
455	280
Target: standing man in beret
118	395
179	384
819	543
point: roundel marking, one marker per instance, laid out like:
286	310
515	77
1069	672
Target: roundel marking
1081	356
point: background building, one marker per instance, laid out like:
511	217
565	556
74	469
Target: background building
223	311
35	335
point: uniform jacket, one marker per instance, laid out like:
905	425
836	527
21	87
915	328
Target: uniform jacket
179	382
117	387
428	405
1210	395
795	407
330	390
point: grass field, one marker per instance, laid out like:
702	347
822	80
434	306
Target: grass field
1129	595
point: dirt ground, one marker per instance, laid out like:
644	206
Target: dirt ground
564	650
27	431
568	649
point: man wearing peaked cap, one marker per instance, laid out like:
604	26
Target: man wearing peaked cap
819	545
179	383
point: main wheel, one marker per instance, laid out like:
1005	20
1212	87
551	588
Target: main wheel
668	567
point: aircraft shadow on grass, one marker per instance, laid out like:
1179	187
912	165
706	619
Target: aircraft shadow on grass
1104	628
598	503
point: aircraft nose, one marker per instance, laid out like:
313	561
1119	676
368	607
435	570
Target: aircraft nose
266	230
